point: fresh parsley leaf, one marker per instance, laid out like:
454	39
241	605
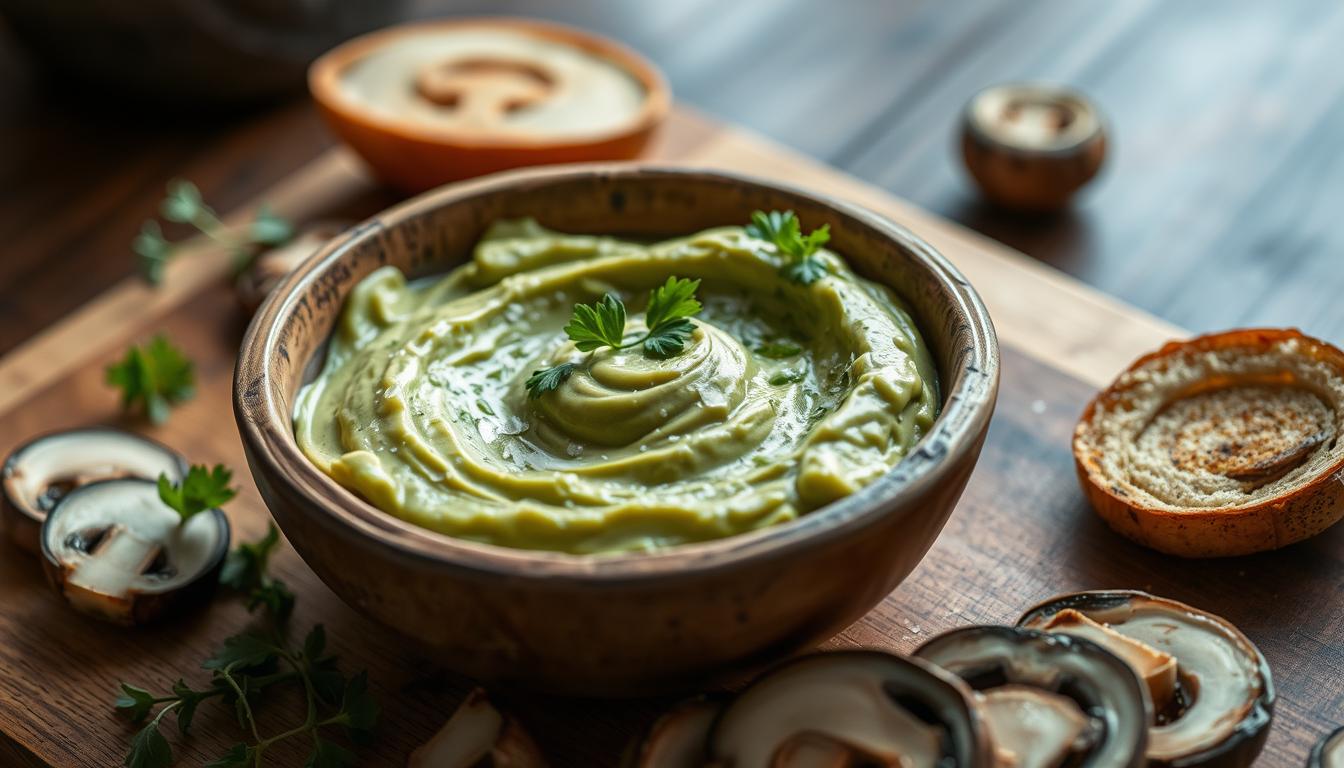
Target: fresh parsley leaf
601	324
275	597
671	301
669	338
183	203
200	490
242	652
153	251
783	231
136	701
269	229
245	567
787	377
329	754
359	709
548	379
190	700
154	377
238	755
149	749
779	350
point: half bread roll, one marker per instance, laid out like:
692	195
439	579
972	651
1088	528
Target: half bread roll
1226	444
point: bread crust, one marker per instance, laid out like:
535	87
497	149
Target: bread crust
1277	521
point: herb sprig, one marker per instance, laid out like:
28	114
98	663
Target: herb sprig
249	665
184	205
244	572
667	320
199	490
782	230
154	377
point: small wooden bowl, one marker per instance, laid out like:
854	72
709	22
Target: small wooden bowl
619	624
414	157
1255	525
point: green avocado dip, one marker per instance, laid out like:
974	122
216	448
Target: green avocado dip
786	396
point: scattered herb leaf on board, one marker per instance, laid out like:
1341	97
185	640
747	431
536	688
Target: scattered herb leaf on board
782	230
667	320
154	378
201	489
244	669
183	204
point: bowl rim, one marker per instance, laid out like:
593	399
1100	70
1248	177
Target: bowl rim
267	429
324	76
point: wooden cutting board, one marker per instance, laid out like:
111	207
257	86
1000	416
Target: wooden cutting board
1021	533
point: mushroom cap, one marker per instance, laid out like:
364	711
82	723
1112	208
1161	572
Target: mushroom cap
857	704
1226	444
1329	751
62	461
1218	725
115	551
678	739
478	734
1101	684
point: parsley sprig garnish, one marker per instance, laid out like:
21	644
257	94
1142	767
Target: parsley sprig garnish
184	205
244	572
782	230
667	321
154	377
199	490
242	673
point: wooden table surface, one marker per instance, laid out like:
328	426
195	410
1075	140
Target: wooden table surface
1215	209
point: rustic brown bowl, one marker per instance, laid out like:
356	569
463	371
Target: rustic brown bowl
629	623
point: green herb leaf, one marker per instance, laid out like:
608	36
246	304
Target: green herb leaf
136	701
200	490
779	350
238	755
359	709
190	700
329	754
668	339
183	203
149	749
245	566
671	301
153	251
787	377
783	231
548	379
327	679
269	229
275	597
601	324
242	652
154	377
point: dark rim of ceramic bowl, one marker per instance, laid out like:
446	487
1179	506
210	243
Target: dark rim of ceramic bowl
968	394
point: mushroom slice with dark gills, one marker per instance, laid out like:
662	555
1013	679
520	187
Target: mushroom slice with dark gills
851	708
1215	706
678	739
478	735
114	550
37	474
1329	751
1049	701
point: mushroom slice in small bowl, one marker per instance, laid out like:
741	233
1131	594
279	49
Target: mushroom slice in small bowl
1329	751
115	551
678	739
1049	701
850	708
40	472
478	735
1213	708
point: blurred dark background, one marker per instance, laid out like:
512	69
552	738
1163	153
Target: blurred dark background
1217	206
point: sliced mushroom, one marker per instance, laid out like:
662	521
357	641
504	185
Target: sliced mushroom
851	708
1329	751
271	266
115	551
39	473
478	735
1076	678
1222	698
678	739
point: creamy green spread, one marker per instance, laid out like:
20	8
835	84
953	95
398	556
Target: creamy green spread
786	397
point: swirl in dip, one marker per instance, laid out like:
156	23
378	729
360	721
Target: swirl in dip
785	398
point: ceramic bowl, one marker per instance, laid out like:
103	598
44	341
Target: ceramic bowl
413	156
629	623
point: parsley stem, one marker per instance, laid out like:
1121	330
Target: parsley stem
227	674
